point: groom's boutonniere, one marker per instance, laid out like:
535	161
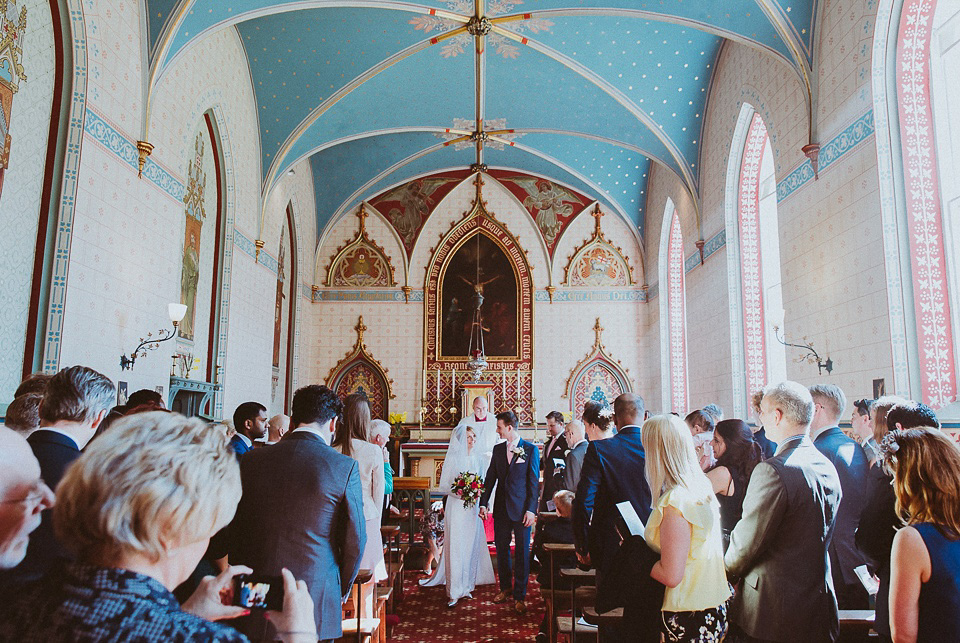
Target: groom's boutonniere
518	454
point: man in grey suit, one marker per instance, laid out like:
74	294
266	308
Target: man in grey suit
780	546
569	477
302	508
852	466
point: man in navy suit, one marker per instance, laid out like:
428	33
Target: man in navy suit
852	466
515	470
250	421
75	403
613	472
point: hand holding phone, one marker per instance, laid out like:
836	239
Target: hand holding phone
258	592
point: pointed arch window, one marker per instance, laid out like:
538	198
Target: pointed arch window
673	313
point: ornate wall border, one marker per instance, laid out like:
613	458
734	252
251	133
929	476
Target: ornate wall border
53	333
597	239
677	323
359	353
751	273
361	239
924	218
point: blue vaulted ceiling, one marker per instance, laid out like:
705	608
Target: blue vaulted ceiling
585	92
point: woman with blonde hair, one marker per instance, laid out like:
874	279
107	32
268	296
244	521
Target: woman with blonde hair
925	561
137	510
352	439
684	528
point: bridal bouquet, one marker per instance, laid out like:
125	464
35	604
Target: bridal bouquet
467	486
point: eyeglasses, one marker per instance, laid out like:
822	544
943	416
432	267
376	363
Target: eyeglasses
38	490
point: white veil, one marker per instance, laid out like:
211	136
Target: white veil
459	460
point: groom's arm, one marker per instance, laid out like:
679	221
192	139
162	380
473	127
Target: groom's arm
489	481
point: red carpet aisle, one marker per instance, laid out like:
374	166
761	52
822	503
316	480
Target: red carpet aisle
425	617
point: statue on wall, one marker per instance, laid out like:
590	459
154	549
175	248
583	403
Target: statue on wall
194	213
12	27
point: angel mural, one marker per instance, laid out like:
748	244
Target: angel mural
410	204
552	206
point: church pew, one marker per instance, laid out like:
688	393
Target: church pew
356	628
856	625
394	562
408	493
577	578
554	595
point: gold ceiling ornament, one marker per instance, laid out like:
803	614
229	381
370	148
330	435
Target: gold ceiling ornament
597	262
361	262
599	352
144	149
359	353
258	245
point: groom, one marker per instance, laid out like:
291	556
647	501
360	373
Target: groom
515	469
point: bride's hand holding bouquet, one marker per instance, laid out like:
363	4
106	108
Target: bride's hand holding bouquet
467	486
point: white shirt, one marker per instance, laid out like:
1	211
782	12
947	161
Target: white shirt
245	439
63	433
310	429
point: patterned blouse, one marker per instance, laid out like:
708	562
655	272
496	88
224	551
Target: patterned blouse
81	603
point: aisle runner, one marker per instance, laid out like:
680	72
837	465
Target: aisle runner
424	617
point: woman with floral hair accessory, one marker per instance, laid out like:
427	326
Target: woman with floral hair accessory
597	420
925	561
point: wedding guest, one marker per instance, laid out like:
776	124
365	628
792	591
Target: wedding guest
432	529
684	527
569	477
33	383
613	472
860	423
144	397
277	427
23	495
352	439
925	561
848	458
780	546
74	404
714	411
597	421
302	508
767	446
250	423
554	451
23	413
879	521
701	426
380	436
737	455
137	510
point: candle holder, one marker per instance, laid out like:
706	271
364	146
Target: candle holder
453	413
533	410
423	412
438	410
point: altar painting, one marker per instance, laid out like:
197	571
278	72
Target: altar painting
479	267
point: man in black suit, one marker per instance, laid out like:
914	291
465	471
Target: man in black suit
515	471
74	404
302	508
554	450
852	466
613	472
250	421
779	547
569	477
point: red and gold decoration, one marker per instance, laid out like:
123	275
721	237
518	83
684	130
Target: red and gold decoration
12	26
597	262
361	263
361	372
599	377
502	277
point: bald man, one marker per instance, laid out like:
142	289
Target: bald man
23	495
277	427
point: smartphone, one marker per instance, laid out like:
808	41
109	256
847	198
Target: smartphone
258	592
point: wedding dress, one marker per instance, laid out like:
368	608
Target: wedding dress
465	560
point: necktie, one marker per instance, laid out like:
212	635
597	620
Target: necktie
509	453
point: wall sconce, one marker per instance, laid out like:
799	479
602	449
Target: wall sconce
176	313
812	356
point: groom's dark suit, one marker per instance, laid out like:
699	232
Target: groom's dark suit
518	485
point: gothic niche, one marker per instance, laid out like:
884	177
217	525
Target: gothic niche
361	263
597	378
360	372
597	262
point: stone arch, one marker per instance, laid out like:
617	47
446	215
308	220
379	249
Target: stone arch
359	371
598	377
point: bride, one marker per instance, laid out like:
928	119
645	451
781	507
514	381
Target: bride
465	561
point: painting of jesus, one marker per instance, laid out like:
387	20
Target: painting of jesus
479	274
